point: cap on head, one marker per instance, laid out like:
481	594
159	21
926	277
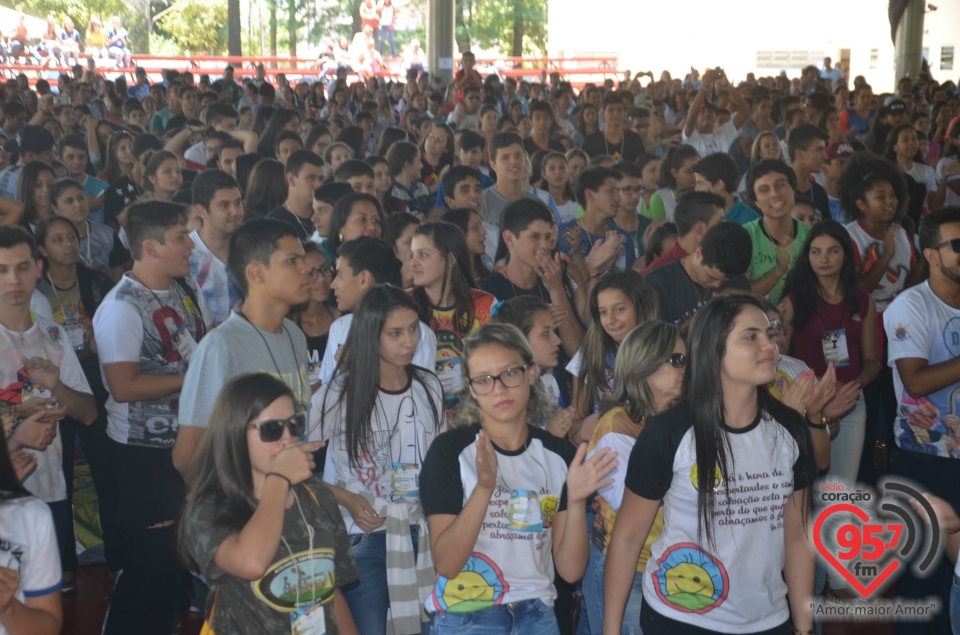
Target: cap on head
835	150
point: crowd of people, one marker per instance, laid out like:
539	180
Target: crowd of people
61	45
486	357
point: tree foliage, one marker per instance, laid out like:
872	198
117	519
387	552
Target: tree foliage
198	26
81	11
515	27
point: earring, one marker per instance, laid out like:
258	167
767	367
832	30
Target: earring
340	236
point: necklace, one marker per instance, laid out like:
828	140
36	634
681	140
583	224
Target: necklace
63	311
87	261
537	286
617	155
20	334
293	349
308	228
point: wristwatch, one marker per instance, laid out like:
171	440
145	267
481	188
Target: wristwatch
817	426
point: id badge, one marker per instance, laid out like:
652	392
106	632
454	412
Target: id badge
184	342
308	620
523	511
74	333
835	347
448	372
313	371
405	479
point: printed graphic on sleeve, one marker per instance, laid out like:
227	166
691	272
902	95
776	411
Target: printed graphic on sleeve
303	579
479	586
691	580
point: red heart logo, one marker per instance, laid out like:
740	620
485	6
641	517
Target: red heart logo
875	554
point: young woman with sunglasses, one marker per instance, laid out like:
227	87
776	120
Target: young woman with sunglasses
315	317
647	379
506	501
379	416
256	516
719	565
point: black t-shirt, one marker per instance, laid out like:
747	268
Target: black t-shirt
498	286
300	225
531	146
628	149
681	297
117	196
821	202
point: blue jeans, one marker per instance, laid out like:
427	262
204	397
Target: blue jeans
530	617
368	597
387	32
593	596
955	606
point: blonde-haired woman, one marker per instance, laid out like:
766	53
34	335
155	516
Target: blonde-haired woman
647	379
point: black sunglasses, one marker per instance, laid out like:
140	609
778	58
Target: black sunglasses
272	429
677	360
954	245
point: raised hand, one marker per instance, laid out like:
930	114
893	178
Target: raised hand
559	424
550	271
824	391
295	462
559	315
486	462
843	402
798	394
586	477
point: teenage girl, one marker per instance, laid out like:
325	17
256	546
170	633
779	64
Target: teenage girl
162	176
676	177
469	222
315	317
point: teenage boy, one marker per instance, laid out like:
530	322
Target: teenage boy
701	131
304	174
470	147
146	330
541	115
695	214
325	198
717	174
466	114
288	142
528	234
73	154
266	258
358	175
227	155
403	158
806	151
628	218
15	115
598	192
362	263
718	263
218	203
35	143
614	140
160	118
923	327
837	157
777	238
464	187
39	370
100	247
508	160
221	118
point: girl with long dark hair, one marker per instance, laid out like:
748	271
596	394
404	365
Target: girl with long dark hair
33	191
903	148
620	301
282	119
676	177
649	165
506	501
447	297
30	571
379	416
353	216
828	318
647	379
315	317
470	223
436	155
255	514
555	179
119	158
401	226
716	557
162	176
265	190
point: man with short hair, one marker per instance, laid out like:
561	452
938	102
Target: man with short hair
147	329
288	142
36	143
39	373
466	114
304	174
141	88
700	130
73	154
541	115
717	173
806	151
231	92
598	192
614	140
362	263
218	203
168	112
470	153
464	185
777	238
358	175
227	155
696	213
507	159
221	118
889	117
266	259
923	328
14	116
718	263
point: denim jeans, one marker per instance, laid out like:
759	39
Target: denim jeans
955	606
530	617
368	597
593	596
387	32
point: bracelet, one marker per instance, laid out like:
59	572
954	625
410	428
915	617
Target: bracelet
816	426
277	474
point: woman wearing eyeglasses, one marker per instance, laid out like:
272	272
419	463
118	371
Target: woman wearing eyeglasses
315	317
380	415
506	501
262	530
647	379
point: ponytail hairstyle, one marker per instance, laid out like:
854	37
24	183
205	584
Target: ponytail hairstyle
539	405
703	387
449	241
674	160
598	347
360	363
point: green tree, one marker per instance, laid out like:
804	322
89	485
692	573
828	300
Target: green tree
80	11
198	26
515	26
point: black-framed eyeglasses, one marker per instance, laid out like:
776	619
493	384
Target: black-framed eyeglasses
510	378
677	360
323	270
954	245
272	429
